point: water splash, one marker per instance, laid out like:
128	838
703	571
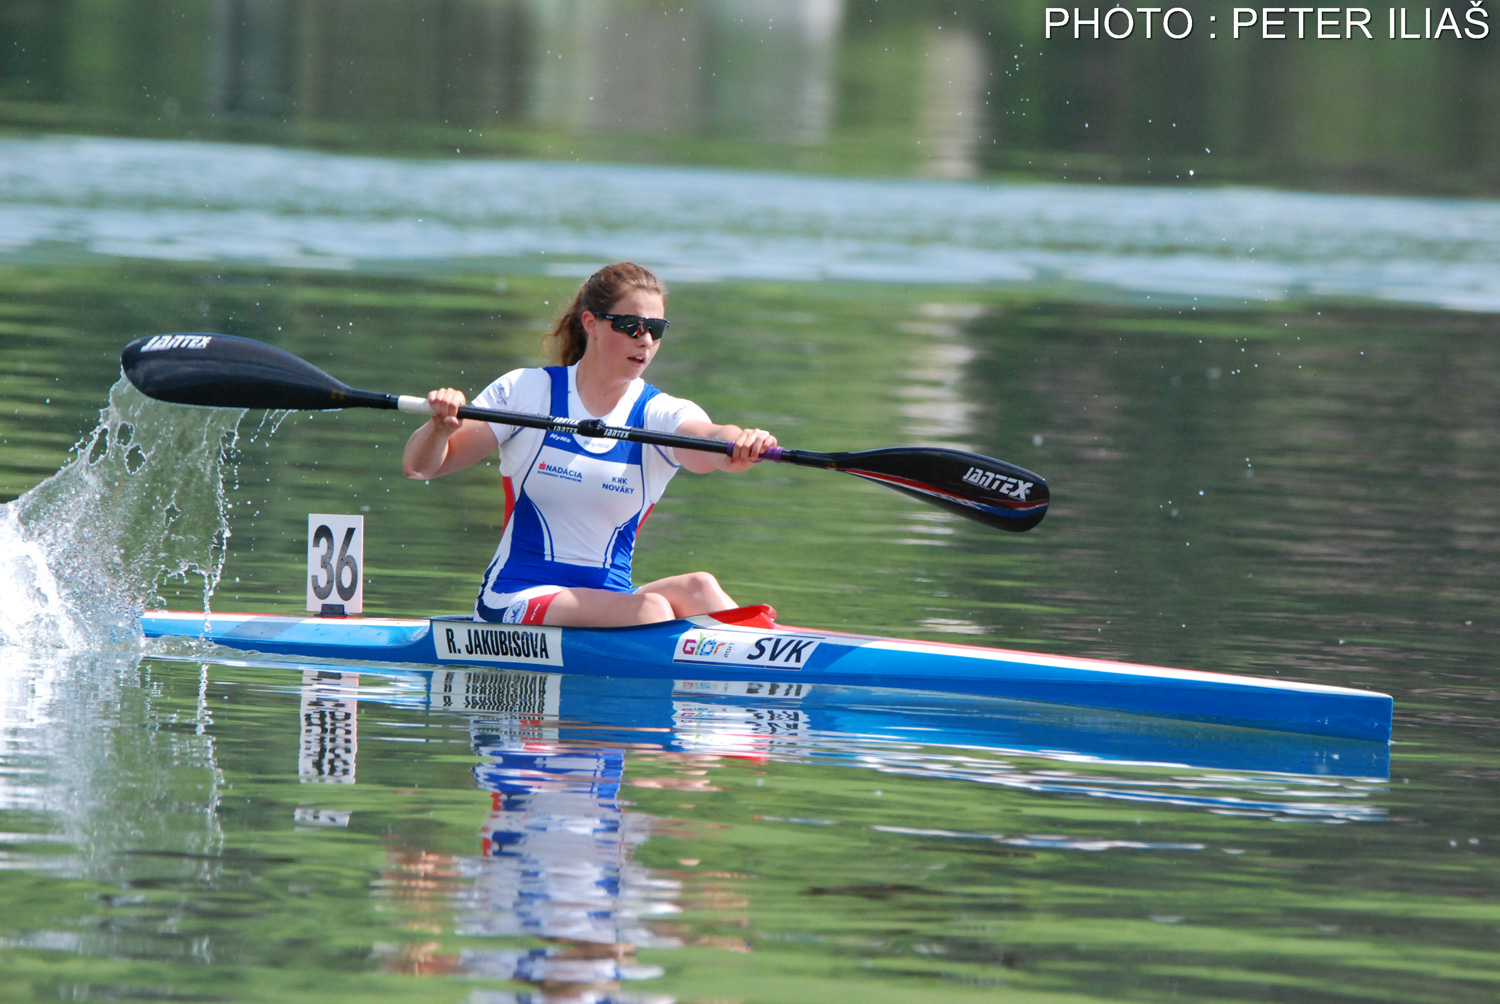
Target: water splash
142	501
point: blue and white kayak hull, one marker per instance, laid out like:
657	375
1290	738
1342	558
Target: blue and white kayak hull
747	645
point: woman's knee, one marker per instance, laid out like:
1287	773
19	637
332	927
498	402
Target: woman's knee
689	594
653	607
702	585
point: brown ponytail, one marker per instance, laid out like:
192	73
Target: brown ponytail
567	339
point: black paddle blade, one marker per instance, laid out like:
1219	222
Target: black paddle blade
990	491
226	371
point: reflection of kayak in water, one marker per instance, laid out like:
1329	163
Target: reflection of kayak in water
748	645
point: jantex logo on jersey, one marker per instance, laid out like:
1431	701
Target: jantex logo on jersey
745	648
159	342
554	471
981	478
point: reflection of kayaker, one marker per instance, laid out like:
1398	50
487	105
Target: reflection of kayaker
556	847
573	504
555	865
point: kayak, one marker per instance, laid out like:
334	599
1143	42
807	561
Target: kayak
748	646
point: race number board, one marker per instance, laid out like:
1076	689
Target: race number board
335	564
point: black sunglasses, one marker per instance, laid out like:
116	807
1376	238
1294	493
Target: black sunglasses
634	324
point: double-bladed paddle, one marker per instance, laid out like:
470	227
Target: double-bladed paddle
226	371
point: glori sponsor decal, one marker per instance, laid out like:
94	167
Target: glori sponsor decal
747	649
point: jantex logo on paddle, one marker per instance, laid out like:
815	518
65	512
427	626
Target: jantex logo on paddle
159	342
981	478
501	644
744	648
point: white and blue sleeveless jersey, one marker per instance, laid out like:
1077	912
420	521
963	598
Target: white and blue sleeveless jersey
573	504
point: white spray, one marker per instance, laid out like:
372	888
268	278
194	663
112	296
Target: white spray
142	501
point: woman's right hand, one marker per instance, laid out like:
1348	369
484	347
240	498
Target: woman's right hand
445	404
445	443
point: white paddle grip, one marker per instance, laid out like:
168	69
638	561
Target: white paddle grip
413	405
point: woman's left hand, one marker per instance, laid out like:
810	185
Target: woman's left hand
749	445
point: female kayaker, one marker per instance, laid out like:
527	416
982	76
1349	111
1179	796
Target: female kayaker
573	504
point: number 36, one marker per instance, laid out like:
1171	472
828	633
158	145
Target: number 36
335	554
335	571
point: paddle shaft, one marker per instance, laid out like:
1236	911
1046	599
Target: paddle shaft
593	427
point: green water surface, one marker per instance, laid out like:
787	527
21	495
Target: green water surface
1297	493
1267	418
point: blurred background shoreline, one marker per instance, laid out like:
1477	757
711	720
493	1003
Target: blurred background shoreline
968	89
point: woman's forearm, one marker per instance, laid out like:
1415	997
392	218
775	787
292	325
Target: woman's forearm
426	451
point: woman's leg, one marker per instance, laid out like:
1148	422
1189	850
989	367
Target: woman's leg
580	607
690	594
663	600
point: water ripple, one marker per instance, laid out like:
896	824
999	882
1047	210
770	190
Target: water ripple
291	208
